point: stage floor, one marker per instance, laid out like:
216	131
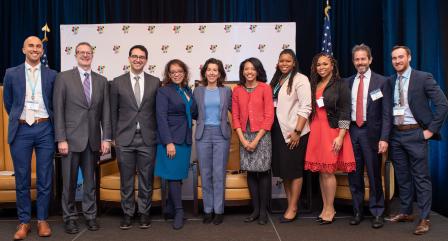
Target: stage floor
233	228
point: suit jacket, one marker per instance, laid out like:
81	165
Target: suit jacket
172	124
125	114
225	105
14	90
379	112
75	121
422	89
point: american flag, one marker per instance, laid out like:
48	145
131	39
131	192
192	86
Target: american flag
44	59
326	36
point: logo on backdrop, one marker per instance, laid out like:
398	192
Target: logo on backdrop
228	67
189	48
116	49
176	28
213	48
100	29
227	28
202	28
237	48
125	28
68	50
285	46
278	28
151	68
75	29
126	68
261	47
93	48
151	28
252	28
101	69
165	48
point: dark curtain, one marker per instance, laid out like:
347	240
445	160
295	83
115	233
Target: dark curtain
422	25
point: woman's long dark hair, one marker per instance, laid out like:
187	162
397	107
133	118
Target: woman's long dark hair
278	74
315	77
261	73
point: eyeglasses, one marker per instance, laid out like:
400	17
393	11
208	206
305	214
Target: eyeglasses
140	57
177	72
85	53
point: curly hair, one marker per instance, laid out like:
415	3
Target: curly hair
166	73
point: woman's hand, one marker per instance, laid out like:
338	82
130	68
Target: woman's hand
170	150
337	144
252	145
294	139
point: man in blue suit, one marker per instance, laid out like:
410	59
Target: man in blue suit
27	94
415	122
369	132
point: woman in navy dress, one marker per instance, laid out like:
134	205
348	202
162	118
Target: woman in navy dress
175	108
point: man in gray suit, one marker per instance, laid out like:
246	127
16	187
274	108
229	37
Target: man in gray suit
133	99
82	130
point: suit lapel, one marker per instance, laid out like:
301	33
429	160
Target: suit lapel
22	83
410	87
394	80
202	100
130	89
146	87
372	87
43	80
222	96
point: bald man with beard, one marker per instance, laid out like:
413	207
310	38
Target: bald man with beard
28	99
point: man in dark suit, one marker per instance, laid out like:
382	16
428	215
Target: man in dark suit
27	94
82	129
369	132
415	122
133	100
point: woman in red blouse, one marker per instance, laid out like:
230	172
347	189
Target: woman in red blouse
253	115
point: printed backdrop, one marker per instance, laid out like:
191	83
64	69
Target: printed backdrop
193	43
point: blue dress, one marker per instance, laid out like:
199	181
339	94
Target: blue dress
176	168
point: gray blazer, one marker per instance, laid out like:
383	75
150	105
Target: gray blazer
125	113
74	120
225	105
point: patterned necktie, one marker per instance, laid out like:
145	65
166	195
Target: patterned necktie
359	102
30	114
137	90
86	85
401	93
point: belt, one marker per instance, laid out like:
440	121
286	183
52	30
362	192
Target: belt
407	127
36	121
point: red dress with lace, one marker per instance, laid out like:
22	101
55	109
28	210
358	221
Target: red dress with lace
319	154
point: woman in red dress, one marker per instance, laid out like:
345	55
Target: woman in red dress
329	147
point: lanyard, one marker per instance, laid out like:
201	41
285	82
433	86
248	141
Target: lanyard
32	85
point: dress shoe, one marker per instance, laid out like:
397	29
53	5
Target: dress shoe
71	227
126	222
377	222
318	219
356	219
282	219
22	231
43	228
251	218
218	219
263	219
145	221
422	227
208	218
401	218
92	225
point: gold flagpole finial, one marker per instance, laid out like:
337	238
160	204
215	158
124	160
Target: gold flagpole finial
327	9
46	30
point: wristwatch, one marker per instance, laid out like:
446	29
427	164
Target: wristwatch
297	131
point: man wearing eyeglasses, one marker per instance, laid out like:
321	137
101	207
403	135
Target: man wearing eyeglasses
82	131
132	100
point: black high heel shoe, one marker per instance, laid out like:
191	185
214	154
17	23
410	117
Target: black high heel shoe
251	218
318	219
326	222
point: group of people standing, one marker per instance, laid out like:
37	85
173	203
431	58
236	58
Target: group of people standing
322	124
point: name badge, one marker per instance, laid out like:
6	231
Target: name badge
398	111
376	94
320	102
32	105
